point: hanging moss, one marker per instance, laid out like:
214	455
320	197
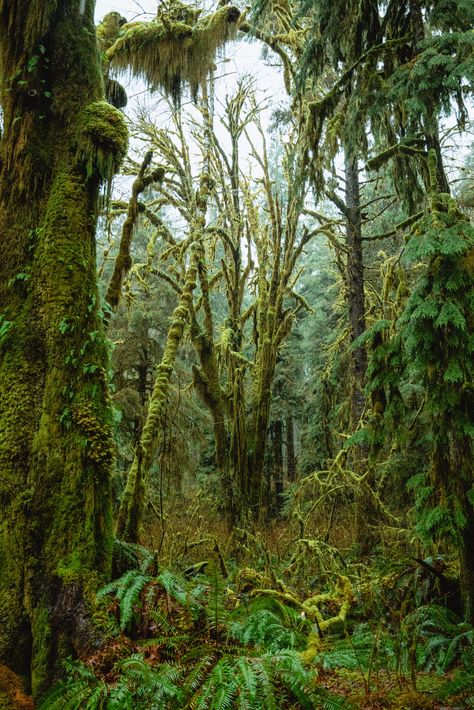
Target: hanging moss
168	53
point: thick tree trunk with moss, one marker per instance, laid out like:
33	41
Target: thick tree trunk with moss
59	141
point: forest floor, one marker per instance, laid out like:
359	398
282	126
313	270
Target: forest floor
386	693
357	662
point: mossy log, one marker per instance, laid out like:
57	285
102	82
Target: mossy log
342	596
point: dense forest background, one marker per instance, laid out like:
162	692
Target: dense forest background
237	355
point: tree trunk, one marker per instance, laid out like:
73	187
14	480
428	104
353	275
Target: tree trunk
290	449
355	284
366	514
277	432
133	500
56	450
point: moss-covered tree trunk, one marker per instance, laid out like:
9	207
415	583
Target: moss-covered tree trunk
366	514
59	141
132	504
355	283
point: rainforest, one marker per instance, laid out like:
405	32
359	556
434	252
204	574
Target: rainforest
236	355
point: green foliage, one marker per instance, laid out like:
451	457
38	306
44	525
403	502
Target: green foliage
445	638
81	689
235	658
253	682
354	652
431	638
268	623
127	590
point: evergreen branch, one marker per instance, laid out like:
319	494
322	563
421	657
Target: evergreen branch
398	228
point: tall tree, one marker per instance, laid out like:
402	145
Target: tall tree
60	141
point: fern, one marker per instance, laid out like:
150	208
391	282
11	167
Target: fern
127	589
81	689
149	686
246	659
269	623
353	653
127	555
216	613
174	585
445	637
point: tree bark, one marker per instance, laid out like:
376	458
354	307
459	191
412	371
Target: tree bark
366	514
60	140
277	435
290	449
355	283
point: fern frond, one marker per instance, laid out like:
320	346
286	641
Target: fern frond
174	585
215	610
81	689
128	598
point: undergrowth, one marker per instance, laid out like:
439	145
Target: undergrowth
196	645
207	642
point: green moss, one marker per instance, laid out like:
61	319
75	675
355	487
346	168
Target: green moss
99	442
42	635
5	702
103	138
168	52
55	505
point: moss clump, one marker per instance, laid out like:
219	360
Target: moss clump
109	29
168	53
99	447
103	138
